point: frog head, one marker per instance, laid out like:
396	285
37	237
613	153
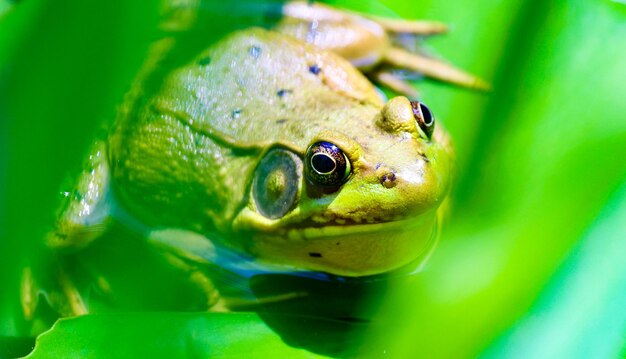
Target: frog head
354	202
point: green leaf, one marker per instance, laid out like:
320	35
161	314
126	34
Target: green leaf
164	335
581	312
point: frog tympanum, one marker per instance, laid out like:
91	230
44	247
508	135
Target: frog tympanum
271	151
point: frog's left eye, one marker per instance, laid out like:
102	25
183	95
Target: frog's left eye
424	117
326	165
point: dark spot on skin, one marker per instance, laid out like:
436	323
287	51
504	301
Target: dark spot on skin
314	69
236	113
255	51
378	165
283	92
281	121
425	158
337	243
204	61
315	255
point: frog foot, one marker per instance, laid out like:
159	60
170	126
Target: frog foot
386	50
199	279
60	293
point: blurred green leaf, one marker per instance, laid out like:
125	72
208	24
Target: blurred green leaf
164	335
581	312
545	161
63	68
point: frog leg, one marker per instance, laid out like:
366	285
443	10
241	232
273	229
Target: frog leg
406	54
214	301
191	251
375	44
74	301
190	264
61	294
198	278
84	215
82	218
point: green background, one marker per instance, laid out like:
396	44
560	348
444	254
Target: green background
532	262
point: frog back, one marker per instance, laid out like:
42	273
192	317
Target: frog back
259	86
185	155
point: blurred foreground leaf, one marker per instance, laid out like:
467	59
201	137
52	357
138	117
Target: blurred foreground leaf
164	335
581	313
63	68
547	160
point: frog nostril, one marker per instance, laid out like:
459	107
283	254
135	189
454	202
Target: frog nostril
388	180
386	175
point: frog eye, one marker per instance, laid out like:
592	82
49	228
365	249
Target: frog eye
424	117
326	165
275	185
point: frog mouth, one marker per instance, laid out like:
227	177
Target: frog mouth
310	229
345	248
298	227
348	228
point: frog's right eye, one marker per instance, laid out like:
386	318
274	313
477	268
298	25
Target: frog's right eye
424	117
326	165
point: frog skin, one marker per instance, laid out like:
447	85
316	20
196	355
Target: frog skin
273	148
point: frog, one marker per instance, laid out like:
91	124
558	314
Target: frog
271	151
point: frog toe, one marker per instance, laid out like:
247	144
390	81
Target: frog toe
28	294
415	27
433	68
395	83
72	303
49	294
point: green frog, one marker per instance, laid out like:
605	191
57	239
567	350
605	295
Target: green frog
270	151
